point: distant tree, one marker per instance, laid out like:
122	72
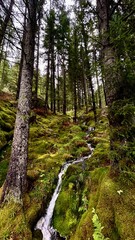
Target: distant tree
62	44
84	20
84	78
49	45
73	69
95	59
39	16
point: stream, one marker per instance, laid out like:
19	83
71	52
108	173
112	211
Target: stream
44	223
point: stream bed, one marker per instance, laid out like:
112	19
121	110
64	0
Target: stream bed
44	223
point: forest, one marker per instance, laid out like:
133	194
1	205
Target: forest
67	120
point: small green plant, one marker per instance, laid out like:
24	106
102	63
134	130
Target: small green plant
84	205
97	235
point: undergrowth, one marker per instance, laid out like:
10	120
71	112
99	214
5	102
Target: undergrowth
53	140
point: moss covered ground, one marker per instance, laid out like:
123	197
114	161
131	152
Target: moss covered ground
7	119
53	140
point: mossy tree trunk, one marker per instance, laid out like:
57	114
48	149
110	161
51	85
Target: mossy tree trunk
110	71
108	56
16	181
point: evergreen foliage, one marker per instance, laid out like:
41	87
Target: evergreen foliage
88	55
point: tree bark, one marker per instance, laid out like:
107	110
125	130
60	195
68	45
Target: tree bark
37	58
108	57
112	80
97	80
64	88
22	55
16	180
37	67
53	82
58	84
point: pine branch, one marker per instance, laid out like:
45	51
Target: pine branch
130	14
11	42
114	8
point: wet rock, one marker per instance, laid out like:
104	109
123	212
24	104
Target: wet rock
56	236
37	235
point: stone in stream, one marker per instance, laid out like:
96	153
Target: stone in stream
37	235
56	236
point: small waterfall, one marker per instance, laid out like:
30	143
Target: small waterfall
44	223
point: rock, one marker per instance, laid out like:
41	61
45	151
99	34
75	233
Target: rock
57	237
37	235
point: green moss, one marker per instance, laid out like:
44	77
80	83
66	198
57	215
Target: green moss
13	223
3	140
81	185
65	215
3	171
77	146
100	156
7	119
54	140
118	215
42	146
75	129
122	114
4	161
92	190
114	203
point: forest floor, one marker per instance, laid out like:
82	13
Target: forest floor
90	197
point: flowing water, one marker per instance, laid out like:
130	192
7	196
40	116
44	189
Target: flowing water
44	223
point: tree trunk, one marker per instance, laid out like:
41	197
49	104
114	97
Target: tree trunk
16	181
85	91
88	67
108	58
96	73
37	60
98	90
84	82
112	79
37	68
53	82
3	68
58	85
47	81
22	54
64	88
75	102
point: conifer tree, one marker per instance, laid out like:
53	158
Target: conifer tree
49	44
16	180
115	58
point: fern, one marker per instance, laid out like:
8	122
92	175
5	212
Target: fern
97	235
